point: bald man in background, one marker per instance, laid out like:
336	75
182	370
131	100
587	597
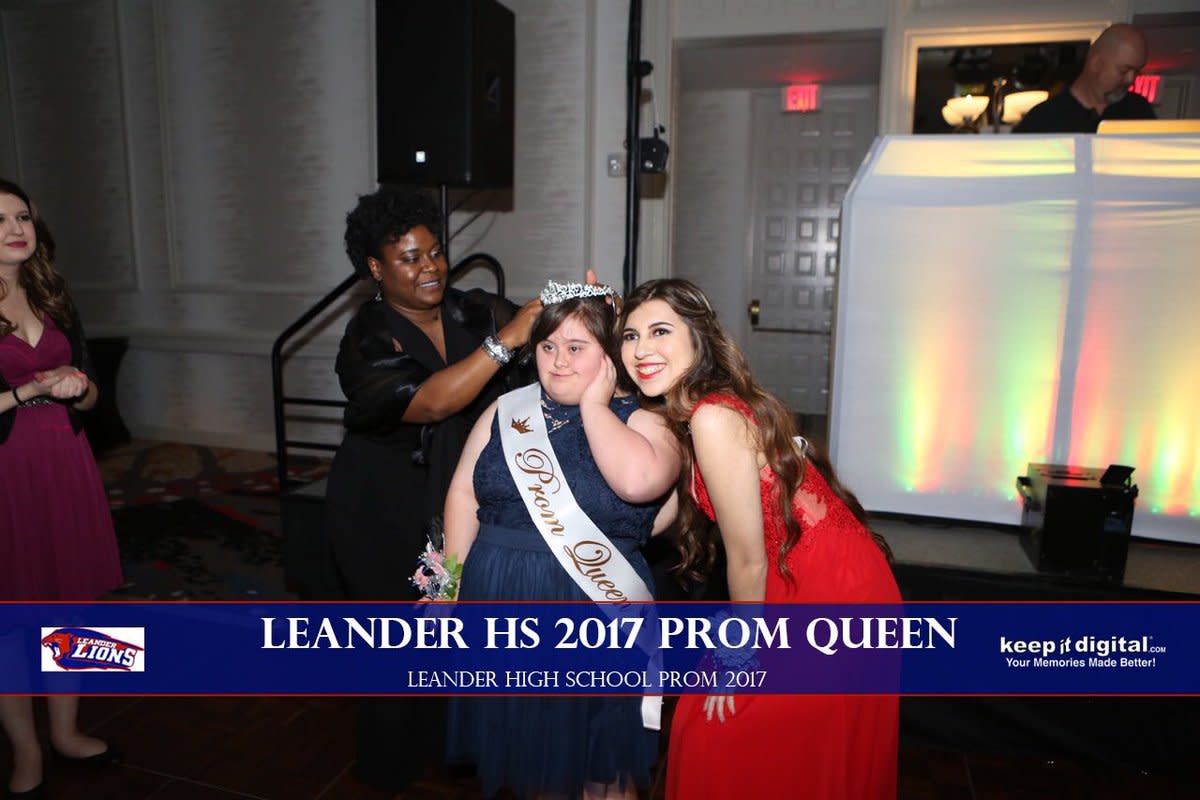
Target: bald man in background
1101	91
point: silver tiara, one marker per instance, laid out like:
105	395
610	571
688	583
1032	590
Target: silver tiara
556	292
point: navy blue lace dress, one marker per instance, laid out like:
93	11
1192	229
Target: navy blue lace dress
549	744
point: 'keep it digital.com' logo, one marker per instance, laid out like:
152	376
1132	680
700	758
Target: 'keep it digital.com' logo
74	649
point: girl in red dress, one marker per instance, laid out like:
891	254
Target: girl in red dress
791	532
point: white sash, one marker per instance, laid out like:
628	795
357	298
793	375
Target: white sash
582	549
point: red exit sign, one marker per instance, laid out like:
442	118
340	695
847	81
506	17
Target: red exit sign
802	97
1147	86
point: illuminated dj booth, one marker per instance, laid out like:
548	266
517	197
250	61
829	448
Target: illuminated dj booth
1014	300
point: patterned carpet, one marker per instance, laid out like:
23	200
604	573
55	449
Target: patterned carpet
198	522
162	472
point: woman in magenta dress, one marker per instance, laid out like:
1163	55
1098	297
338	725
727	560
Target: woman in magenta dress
56	533
791	532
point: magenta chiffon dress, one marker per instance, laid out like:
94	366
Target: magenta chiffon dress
56	532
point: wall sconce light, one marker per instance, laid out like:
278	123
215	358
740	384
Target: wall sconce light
964	113
1017	104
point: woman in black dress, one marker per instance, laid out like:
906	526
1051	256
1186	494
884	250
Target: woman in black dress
417	363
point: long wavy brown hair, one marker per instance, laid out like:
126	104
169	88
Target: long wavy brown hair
45	289
720	366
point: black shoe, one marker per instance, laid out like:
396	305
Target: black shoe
36	793
106	757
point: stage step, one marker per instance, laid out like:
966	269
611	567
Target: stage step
308	566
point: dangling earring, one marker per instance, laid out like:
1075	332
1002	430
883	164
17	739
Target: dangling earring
378	290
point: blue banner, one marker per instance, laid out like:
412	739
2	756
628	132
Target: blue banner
583	648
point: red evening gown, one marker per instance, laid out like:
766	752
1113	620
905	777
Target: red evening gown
783	746
56	531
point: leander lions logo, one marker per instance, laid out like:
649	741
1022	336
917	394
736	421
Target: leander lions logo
83	648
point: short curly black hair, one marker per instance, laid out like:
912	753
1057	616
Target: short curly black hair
384	216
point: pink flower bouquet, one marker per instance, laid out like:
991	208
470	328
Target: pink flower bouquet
437	574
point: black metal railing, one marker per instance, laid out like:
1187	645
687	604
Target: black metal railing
281	400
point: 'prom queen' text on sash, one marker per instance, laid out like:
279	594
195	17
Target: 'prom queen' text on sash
597	567
589	557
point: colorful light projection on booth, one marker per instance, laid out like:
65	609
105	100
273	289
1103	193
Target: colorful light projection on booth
973	399
969	400
1138	394
1000	305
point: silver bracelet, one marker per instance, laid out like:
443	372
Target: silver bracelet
497	351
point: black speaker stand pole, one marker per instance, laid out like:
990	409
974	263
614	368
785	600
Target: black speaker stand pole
445	199
635	70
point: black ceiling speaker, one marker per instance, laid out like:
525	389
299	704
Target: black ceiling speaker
444	92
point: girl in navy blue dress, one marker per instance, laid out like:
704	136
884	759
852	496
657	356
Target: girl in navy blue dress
619	462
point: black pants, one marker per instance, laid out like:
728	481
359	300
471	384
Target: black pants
374	515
